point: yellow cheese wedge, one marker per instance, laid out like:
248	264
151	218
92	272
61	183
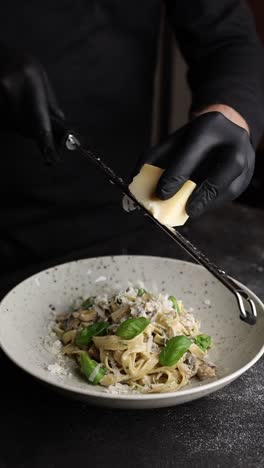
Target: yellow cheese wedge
170	212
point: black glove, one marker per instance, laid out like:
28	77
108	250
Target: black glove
211	151
27	100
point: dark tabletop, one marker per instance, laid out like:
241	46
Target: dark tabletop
42	429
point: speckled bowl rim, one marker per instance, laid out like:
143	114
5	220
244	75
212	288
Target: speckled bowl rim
136	397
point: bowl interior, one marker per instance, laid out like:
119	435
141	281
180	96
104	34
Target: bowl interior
26	312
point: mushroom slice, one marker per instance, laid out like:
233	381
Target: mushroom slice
120	312
87	315
69	336
206	371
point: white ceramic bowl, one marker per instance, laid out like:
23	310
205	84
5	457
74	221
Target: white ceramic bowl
25	314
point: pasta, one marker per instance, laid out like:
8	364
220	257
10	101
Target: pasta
148	342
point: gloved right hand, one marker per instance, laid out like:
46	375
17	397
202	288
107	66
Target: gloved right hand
27	100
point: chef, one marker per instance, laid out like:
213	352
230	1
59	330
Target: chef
92	63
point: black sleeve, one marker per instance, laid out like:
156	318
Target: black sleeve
225	58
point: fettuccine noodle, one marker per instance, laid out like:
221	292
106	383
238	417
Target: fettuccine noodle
135	361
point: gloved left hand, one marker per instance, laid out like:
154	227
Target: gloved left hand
213	152
27	100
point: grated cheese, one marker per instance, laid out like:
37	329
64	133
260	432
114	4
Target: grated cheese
128	204
56	347
119	388
207	302
58	370
100	279
37	281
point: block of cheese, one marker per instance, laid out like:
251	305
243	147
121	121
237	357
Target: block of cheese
170	212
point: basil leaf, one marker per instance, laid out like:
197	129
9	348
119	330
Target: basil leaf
88	367
132	327
175	304
84	337
141	291
87	303
175	348
203	341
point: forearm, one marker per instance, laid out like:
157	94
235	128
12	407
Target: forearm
230	113
224	56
